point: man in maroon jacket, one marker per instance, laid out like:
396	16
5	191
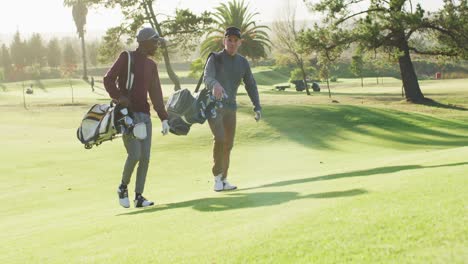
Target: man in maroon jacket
146	81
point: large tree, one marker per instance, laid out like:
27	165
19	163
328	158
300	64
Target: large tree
17	51
5	61
69	56
328	43
54	53
79	12
181	30
93	52
35	51
450	26
255	39
391	25
357	67
286	36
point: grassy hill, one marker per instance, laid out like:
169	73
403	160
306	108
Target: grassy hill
370	179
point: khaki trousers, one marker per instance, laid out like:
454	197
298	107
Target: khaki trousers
223	128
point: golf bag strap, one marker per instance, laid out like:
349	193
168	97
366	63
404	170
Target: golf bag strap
203	72
130	71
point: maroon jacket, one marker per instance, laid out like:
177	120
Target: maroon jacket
146	80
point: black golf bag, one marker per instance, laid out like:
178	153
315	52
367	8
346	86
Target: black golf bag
185	108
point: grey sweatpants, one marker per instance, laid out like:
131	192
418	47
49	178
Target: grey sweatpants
138	151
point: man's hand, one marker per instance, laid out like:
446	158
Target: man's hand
218	91
124	101
165	127
258	115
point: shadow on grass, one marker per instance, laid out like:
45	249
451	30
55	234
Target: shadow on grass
237	200
360	173
290	91
432	103
319	126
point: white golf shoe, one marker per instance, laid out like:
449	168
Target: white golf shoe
219	184
123	197
228	187
141	201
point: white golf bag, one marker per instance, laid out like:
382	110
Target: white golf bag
105	122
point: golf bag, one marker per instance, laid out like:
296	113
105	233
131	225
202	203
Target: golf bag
185	109
98	125
105	122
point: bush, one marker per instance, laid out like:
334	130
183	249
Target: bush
333	79
454	75
265	62
296	74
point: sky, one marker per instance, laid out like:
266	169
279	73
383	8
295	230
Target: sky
50	16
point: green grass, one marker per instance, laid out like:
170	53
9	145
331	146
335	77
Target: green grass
270	76
370	179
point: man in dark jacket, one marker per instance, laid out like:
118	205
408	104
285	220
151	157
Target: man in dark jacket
224	78
146	81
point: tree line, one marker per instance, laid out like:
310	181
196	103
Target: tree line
36	57
379	30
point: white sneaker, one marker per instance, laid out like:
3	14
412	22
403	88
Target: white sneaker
142	202
123	197
219	184
228	186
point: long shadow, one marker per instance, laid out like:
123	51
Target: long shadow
432	103
238	200
375	96
319	126
360	173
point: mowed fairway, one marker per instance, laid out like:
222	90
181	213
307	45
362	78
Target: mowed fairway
370	179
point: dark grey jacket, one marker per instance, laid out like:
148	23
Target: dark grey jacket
229	71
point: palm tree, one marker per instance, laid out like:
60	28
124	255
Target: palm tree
79	12
235	13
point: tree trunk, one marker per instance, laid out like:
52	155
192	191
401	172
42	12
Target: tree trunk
24	98
172	75
154	22
362	82
304	78
71	86
83	54
408	75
